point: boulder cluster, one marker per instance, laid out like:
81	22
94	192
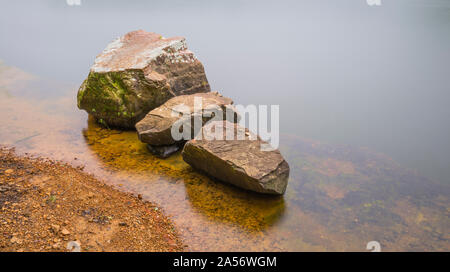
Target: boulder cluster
153	84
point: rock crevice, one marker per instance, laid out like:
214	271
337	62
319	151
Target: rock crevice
240	162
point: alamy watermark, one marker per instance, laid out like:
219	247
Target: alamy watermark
78	2
373	246
257	119
374	2
73	2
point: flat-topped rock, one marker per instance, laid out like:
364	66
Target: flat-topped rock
137	73
155	128
242	163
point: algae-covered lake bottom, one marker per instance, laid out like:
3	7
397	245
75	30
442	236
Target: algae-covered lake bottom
338	198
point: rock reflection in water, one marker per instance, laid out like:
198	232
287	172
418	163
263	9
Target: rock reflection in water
123	153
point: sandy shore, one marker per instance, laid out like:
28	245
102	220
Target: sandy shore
45	205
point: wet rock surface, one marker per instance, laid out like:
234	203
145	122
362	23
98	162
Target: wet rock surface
137	73
155	128
242	163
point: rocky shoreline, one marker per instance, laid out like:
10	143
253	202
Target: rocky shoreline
47	205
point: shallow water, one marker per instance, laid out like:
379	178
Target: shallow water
348	87
338	198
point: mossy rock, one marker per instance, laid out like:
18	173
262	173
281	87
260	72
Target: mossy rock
137	73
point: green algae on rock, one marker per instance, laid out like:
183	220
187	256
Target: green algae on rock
137	73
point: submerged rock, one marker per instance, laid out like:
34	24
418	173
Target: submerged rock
155	128
242	163
137	73
164	151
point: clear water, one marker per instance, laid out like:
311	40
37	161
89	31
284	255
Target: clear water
363	94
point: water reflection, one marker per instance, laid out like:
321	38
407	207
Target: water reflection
123	153
228	204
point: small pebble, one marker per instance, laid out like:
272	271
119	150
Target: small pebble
64	231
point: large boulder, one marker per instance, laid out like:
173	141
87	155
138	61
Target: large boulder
155	128
239	161
137	73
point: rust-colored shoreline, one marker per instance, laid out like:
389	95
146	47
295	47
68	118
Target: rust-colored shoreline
46	204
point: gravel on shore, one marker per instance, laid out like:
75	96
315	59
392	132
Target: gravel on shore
47	205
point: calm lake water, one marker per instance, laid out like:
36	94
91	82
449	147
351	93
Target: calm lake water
363	94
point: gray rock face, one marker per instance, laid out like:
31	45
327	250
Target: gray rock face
155	128
137	73
239	162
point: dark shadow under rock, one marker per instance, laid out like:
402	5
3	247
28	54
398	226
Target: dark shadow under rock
164	151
